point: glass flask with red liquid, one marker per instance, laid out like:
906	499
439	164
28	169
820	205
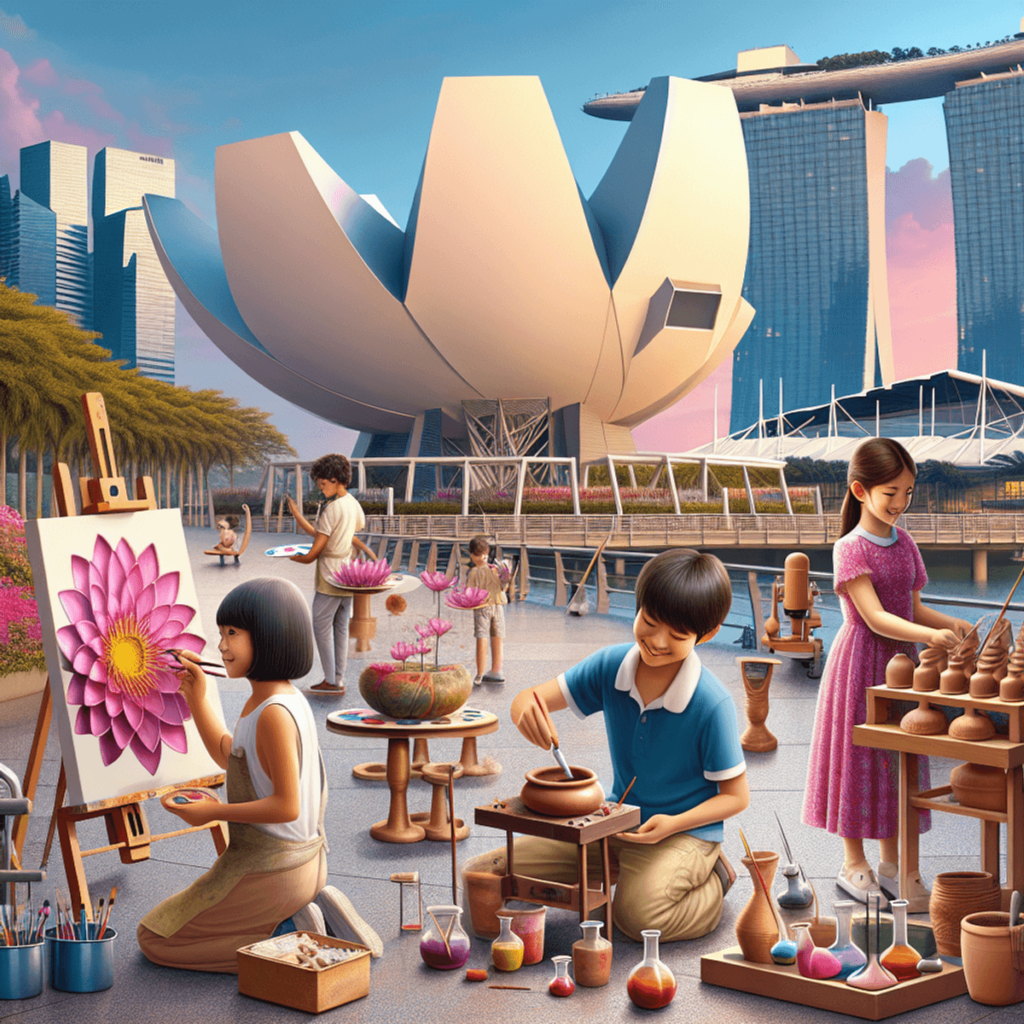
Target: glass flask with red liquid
900	959
444	945
651	984
561	984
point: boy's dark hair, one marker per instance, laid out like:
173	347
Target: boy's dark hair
480	544
687	590
276	615
232	521
332	467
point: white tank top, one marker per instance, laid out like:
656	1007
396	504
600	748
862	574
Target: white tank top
305	825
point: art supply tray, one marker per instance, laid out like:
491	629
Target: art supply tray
304	988
729	970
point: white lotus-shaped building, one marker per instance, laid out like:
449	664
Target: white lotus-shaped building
507	284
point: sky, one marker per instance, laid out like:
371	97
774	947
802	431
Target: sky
360	82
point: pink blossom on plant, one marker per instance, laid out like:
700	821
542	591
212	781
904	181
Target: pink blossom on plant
469	597
401	651
424	631
439	626
383	668
123	617
436	581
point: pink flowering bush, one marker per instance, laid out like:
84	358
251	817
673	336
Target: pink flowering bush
21	643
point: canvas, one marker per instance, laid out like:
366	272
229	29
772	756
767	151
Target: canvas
115	593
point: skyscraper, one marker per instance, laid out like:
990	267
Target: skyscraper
133	301
32	249
54	175
816	272
985	131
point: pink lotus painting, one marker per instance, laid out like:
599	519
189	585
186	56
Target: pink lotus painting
115	597
125	618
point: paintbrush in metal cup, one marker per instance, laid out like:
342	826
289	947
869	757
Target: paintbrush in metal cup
558	755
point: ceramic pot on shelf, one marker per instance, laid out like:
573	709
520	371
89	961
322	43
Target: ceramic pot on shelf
979	785
973	725
954	678
926	675
756	928
955	894
899	672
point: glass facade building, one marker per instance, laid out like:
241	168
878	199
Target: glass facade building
32	254
54	175
816	263
134	305
985	132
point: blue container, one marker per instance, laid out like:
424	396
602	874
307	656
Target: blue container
85	966
21	971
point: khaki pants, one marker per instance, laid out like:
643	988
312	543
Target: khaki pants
670	885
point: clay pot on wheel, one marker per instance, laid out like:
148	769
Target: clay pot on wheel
988	960
979	785
548	791
955	894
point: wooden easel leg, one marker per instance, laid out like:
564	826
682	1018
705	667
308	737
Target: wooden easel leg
78	886
35	764
58	803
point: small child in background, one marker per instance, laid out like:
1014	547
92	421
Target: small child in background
226	525
489	621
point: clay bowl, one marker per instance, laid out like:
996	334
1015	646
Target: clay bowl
548	791
979	785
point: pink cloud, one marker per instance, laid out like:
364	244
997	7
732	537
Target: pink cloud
101	108
156	145
921	268
19	114
57	126
41	73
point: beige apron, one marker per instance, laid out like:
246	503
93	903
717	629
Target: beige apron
248	885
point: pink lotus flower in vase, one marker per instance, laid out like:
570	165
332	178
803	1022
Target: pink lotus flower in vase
438	627
467	597
437	582
401	651
124	617
362	573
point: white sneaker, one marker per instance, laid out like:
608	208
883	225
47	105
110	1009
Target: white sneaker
859	884
310	919
889	883
344	923
478	680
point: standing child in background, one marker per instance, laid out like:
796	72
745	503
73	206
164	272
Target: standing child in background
274	866
226	544
334	536
851	790
488	621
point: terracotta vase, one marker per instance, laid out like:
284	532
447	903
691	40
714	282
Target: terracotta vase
899	673
989	968
415	693
955	894
926	675
756	930
954	679
972	725
1011	688
548	791
979	785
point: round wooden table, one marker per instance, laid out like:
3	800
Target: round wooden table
465	724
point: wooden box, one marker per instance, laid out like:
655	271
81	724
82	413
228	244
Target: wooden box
730	970
304	988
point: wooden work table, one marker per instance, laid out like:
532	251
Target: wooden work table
1005	751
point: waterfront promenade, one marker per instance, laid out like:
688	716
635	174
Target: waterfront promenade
542	641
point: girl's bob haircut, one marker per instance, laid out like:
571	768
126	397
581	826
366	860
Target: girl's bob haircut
689	591
275	614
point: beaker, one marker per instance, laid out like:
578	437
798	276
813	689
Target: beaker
561	984
651	984
444	944
410	906
508	948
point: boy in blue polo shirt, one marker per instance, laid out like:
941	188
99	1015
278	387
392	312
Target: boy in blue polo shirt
672	725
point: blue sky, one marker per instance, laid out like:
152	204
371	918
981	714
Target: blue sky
360	83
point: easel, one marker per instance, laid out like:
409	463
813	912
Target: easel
125	819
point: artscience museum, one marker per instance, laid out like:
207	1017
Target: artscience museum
513	315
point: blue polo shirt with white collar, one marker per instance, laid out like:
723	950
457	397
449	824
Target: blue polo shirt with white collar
679	747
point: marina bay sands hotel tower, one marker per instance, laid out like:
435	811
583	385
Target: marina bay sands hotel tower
816	272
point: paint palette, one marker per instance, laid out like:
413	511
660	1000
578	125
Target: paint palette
369	717
188	795
287	550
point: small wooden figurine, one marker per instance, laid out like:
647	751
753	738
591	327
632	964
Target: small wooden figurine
226	545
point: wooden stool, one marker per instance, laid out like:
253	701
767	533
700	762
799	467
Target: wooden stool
436	823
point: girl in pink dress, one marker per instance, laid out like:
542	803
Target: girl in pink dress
878	574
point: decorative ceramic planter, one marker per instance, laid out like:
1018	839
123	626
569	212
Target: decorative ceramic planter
988	960
979	785
756	928
956	894
548	791
415	693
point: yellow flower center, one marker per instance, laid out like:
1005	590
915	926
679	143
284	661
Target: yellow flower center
130	657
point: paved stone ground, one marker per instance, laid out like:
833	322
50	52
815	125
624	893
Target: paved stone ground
541	642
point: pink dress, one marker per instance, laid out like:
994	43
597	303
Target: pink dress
851	790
